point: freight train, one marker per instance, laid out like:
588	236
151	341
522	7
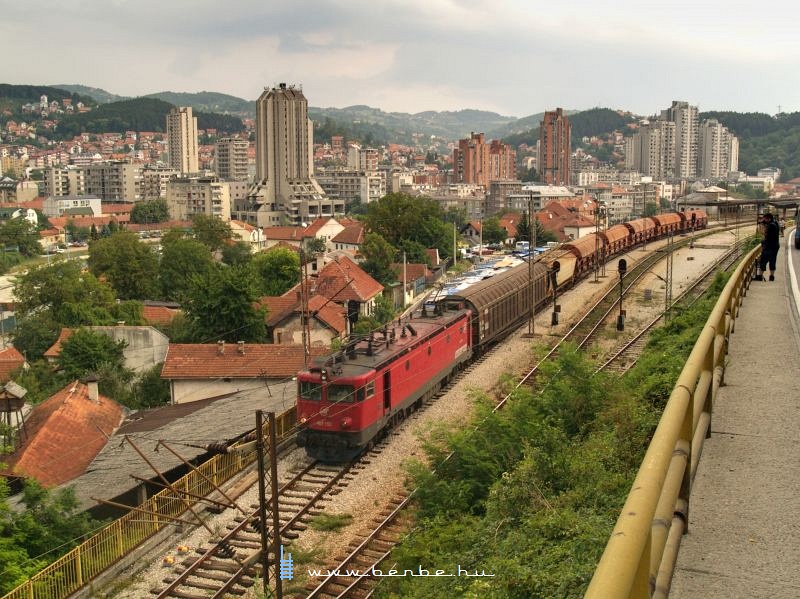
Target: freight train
346	401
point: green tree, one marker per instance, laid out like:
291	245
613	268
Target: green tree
493	232
315	245
182	259
35	333
39	380
236	254
151	211
128	264
524	229
399	217
69	294
76	233
379	255
211	231
150	390
221	305
85	351
276	271
650	209
21	234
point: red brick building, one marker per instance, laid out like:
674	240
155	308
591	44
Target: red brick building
554	152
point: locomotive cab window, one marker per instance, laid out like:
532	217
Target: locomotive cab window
343	393
309	390
366	391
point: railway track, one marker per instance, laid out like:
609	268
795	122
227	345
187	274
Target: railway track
623	358
350	576
229	565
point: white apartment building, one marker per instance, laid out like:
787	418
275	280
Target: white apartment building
198	195
230	159
155	179
65	181
687	123
182	140
83	205
719	151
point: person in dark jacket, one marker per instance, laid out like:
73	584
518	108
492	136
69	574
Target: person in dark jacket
769	247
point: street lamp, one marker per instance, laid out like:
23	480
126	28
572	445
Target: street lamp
622	266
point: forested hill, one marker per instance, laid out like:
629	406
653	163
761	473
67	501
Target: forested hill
139	114
586	123
32	93
764	140
209	102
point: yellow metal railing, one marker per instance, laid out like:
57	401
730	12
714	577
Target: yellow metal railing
73	570
639	558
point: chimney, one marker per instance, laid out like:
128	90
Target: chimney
240	347
220	348
91	383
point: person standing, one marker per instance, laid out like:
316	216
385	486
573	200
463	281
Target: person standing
769	247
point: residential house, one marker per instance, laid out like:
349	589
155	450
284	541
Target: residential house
10	360
327	320
206	370
64	433
250	234
350	238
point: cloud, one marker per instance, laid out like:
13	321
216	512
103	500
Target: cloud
515	57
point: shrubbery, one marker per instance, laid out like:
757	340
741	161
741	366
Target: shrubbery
532	495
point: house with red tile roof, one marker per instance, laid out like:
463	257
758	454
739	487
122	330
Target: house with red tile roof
64	433
159	315
205	370
327	320
349	238
343	281
416	277
10	360
250	234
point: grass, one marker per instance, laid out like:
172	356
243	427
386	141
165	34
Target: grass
328	522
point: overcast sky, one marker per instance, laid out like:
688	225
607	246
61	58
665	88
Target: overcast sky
516	57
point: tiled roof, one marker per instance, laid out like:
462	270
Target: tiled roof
55	350
342	280
10	360
284	233
158	314
117	208
65	433
278	307
413	271
352	234
312	229
329	313
251	360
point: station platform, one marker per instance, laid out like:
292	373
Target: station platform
743	539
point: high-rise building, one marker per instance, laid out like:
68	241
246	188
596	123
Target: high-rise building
198	195
471	161
285	190
719	151
651	150
231	158
155	179
687	123
114	181
182	140
65	181
554	149
502	161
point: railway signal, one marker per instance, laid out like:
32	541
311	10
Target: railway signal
622	266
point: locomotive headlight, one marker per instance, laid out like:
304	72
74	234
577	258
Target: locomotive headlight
347	422
303	420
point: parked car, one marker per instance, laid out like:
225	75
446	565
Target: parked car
797	237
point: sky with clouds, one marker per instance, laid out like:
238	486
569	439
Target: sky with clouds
514	57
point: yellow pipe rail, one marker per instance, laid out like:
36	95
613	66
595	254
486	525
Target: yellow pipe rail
89	559
639	558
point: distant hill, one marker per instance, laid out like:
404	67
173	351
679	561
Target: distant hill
100	96
138	114
209	102
32	93
401	127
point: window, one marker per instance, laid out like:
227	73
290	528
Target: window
309	390
341	393
370	388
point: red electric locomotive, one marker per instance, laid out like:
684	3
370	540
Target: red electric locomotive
346	401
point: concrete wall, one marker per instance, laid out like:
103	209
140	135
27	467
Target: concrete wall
185	391
146	347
